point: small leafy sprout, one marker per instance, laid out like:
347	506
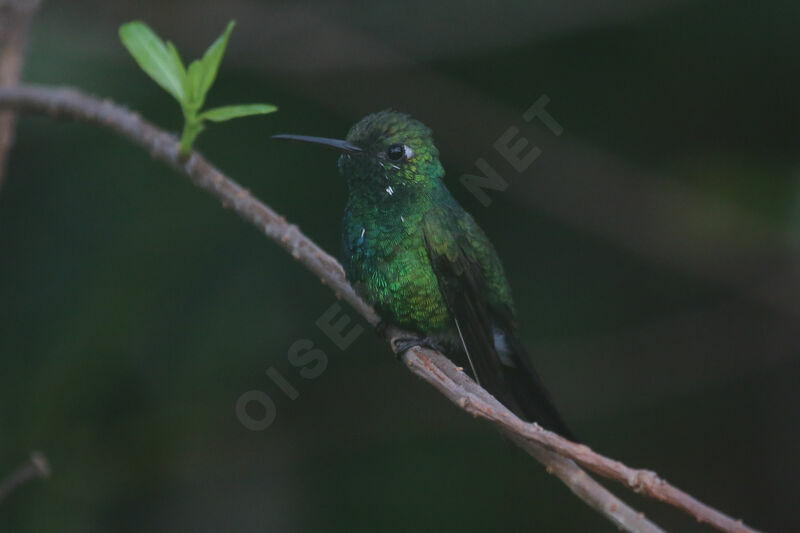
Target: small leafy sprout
189	87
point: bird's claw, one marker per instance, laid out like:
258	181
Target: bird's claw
403	344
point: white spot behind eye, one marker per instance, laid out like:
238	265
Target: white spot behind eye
409	151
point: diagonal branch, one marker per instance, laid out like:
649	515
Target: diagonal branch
460	389
454	384
36	467
557	454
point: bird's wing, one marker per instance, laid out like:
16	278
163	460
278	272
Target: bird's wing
462	282
473	285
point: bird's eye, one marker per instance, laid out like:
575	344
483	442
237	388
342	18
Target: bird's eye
396	152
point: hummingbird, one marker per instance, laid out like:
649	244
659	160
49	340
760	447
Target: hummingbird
413	253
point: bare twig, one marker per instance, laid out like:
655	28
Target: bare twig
36	467
431	366
15	17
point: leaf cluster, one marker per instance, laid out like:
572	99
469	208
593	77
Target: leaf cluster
189	86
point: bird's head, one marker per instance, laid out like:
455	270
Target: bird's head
386	153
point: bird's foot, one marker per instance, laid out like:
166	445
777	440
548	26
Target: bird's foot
403	344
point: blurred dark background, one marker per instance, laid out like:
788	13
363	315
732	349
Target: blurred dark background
652	249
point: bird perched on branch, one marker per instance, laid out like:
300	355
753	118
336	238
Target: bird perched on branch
413	253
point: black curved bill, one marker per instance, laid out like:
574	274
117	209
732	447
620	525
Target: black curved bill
336	144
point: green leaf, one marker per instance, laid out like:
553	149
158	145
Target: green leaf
154	57
176	59
203	72
221	114
191	85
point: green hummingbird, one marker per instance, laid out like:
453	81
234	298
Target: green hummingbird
413	253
